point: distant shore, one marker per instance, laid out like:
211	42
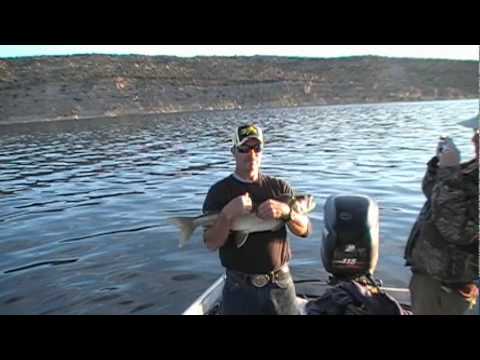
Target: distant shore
36	119
81	87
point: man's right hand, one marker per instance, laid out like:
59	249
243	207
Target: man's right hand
216	236
241	205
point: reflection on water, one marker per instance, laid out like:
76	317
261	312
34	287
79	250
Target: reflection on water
83	205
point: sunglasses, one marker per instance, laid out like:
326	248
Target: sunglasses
244	149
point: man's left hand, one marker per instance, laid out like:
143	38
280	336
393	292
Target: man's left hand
272	209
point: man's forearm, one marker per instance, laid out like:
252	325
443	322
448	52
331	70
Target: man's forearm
452	208
299	224
430	177
216	236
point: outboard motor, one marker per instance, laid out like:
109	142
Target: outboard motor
350	236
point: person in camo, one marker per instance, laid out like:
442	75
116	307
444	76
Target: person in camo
258	278
443	247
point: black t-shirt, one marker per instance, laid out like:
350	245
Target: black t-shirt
263	251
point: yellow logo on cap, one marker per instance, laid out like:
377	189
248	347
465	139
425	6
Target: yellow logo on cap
249	131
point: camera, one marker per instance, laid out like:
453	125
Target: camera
443	144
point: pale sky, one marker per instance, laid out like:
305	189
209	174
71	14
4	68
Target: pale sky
462	52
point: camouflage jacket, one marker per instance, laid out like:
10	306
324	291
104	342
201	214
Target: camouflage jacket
444	239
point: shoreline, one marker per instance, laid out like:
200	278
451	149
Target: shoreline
76	117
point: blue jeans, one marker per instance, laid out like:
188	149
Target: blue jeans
275	298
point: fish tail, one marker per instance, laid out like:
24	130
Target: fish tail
186	225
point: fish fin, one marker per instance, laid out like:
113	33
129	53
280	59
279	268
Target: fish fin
240	238
186	225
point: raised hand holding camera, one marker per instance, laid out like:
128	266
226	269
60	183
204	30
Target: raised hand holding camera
447	152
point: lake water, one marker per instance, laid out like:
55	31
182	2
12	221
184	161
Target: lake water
83	204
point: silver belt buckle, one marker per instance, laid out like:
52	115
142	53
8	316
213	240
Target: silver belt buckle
260	280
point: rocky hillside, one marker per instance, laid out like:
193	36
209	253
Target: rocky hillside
57	87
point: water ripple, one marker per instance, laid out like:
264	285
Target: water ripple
41	263
109	233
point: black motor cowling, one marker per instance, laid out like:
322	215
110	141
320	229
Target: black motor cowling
351	236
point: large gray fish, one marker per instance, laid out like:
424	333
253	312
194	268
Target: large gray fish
244	225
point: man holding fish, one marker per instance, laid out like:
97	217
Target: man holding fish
248	228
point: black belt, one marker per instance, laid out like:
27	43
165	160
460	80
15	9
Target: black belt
261	280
